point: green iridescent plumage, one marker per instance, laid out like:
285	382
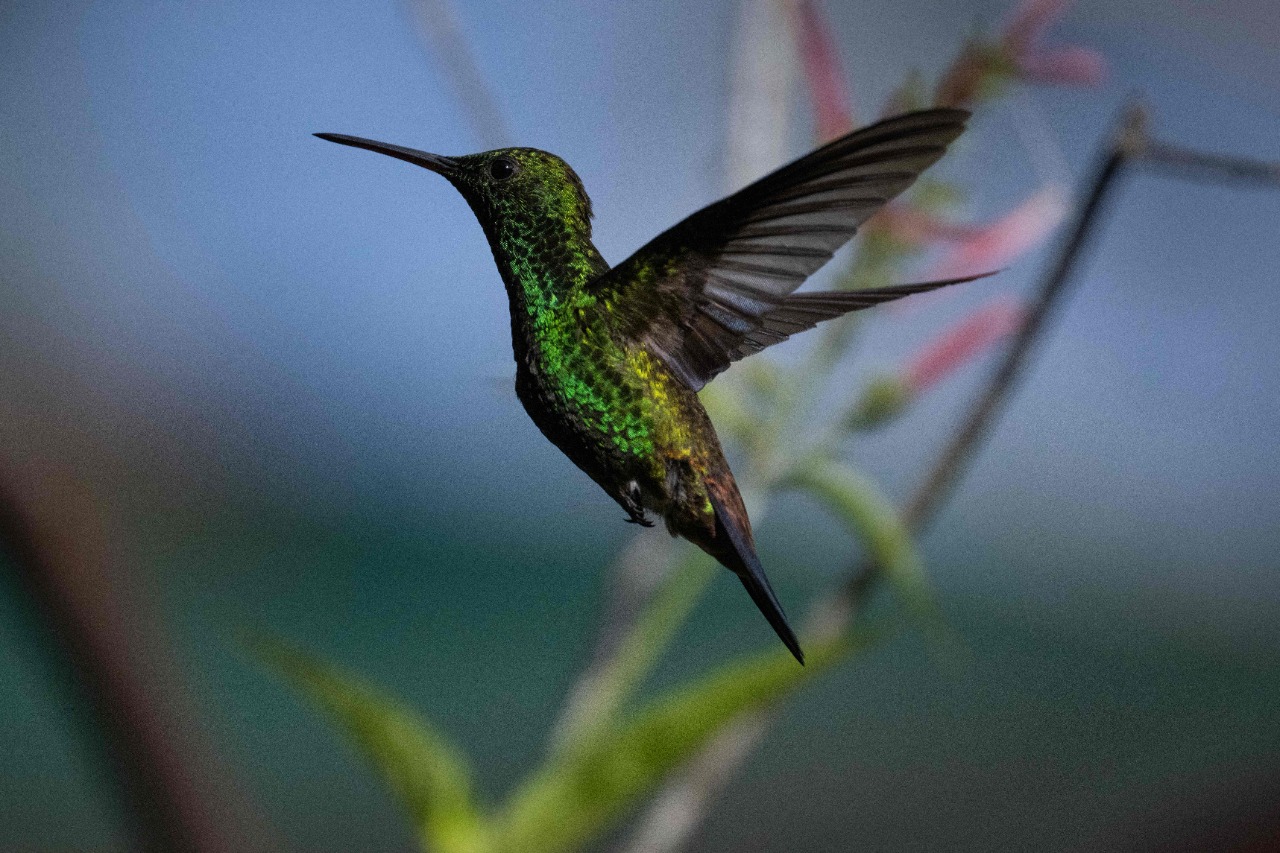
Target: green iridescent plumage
609	361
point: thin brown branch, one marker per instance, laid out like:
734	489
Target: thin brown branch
1130	146
679	808
1129	139
1198	165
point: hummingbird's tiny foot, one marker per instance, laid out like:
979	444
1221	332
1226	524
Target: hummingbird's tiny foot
630	501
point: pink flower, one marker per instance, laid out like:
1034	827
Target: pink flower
993	246
1078	66
824	74
973	249
962	343
915	227
1070	66
889	395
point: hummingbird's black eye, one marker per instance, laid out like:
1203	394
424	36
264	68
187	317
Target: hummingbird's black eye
502	168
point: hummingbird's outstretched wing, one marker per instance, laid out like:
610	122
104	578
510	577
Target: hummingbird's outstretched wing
718	286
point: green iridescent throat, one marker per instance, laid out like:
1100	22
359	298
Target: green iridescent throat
559	327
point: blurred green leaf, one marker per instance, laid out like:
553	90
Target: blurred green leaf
874	520
883	400
1001	72
762	378
879	257
574	798
989	72
428	774
936	196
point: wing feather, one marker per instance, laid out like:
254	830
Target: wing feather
718	286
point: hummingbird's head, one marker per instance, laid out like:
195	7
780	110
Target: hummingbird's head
509	189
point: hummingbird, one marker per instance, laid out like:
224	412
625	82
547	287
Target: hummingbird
609	360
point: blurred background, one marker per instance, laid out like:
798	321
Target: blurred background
278	374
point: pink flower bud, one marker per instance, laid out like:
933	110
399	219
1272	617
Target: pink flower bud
913	226
995	245
1068	66
1075	66
1030	21
963	342
824	74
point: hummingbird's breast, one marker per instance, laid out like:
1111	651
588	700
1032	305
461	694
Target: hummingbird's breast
611	406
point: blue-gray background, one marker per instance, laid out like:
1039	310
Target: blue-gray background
295	359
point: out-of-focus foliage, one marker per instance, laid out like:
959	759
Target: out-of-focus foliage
430	776
638	652
583	786
578	794
873	520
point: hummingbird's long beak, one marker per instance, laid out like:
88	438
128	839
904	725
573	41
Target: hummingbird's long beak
434	162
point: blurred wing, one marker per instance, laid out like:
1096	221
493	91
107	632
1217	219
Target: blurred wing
717	286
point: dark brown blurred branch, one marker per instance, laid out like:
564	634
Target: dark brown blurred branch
55	539
1197	165
1128	140
1130	146
438	23
679	808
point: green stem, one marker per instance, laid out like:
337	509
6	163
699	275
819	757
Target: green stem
603	697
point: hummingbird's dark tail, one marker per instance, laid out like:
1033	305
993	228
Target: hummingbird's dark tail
733	548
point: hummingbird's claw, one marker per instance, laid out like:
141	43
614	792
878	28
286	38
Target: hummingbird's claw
630	501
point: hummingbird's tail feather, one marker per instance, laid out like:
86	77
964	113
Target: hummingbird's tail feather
733	548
